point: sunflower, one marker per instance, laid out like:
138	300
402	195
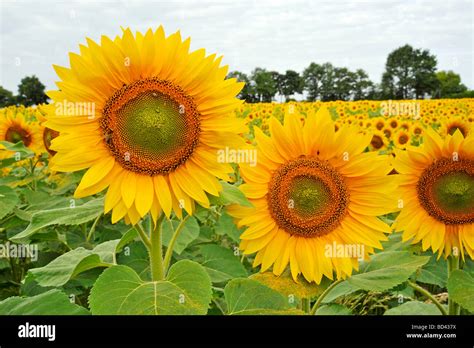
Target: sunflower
378	141
437	188
402	139
452	125
311	189
16	125
145	117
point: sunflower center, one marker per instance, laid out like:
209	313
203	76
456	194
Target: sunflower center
151	126
403	139
16	133
307	197
446	191
48	135
376	142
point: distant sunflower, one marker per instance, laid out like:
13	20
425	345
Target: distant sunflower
378	141
402	139
437	186
452	125
313	188
160	115
19	126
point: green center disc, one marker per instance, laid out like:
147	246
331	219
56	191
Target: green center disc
454	192
151	124
310	196
15	135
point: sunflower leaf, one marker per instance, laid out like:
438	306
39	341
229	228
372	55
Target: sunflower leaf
188	234
230	194
387	269
119	290
74	215
414	308
250	297
52	302
461	289
220	263
8	200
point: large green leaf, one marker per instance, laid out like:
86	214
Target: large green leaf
387	269
59	271
250	297
18	148
434	272
341	289
8	200
225	226
52	302
119	290
221	263
414	308
187	235
61	216
461	289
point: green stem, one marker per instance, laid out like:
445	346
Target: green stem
323	295
92	230
453	264
306	305
426	293
156	251
169	251
143	235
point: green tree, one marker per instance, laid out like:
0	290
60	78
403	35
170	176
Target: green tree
362	87
6	97
449	84
312	77
31	91
290	83
409	73
248	91
265	84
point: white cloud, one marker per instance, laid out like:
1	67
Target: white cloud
278	35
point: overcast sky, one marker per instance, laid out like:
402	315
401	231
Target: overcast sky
277	35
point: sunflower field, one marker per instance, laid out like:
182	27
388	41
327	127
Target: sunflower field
147	187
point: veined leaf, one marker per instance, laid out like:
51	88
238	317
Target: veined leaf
461	289
119	290
8	200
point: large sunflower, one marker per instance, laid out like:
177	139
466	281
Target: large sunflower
160	113
437	187
313	189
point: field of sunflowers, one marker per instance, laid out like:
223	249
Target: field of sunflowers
171	196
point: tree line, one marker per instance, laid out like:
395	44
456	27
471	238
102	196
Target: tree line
409	73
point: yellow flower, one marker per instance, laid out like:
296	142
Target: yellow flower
313	189
16	124
146	117
402	139
437	188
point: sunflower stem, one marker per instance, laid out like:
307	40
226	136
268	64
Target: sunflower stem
453	264
306	305
143	236
323	295
426	293
156	251
174	238
92	230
